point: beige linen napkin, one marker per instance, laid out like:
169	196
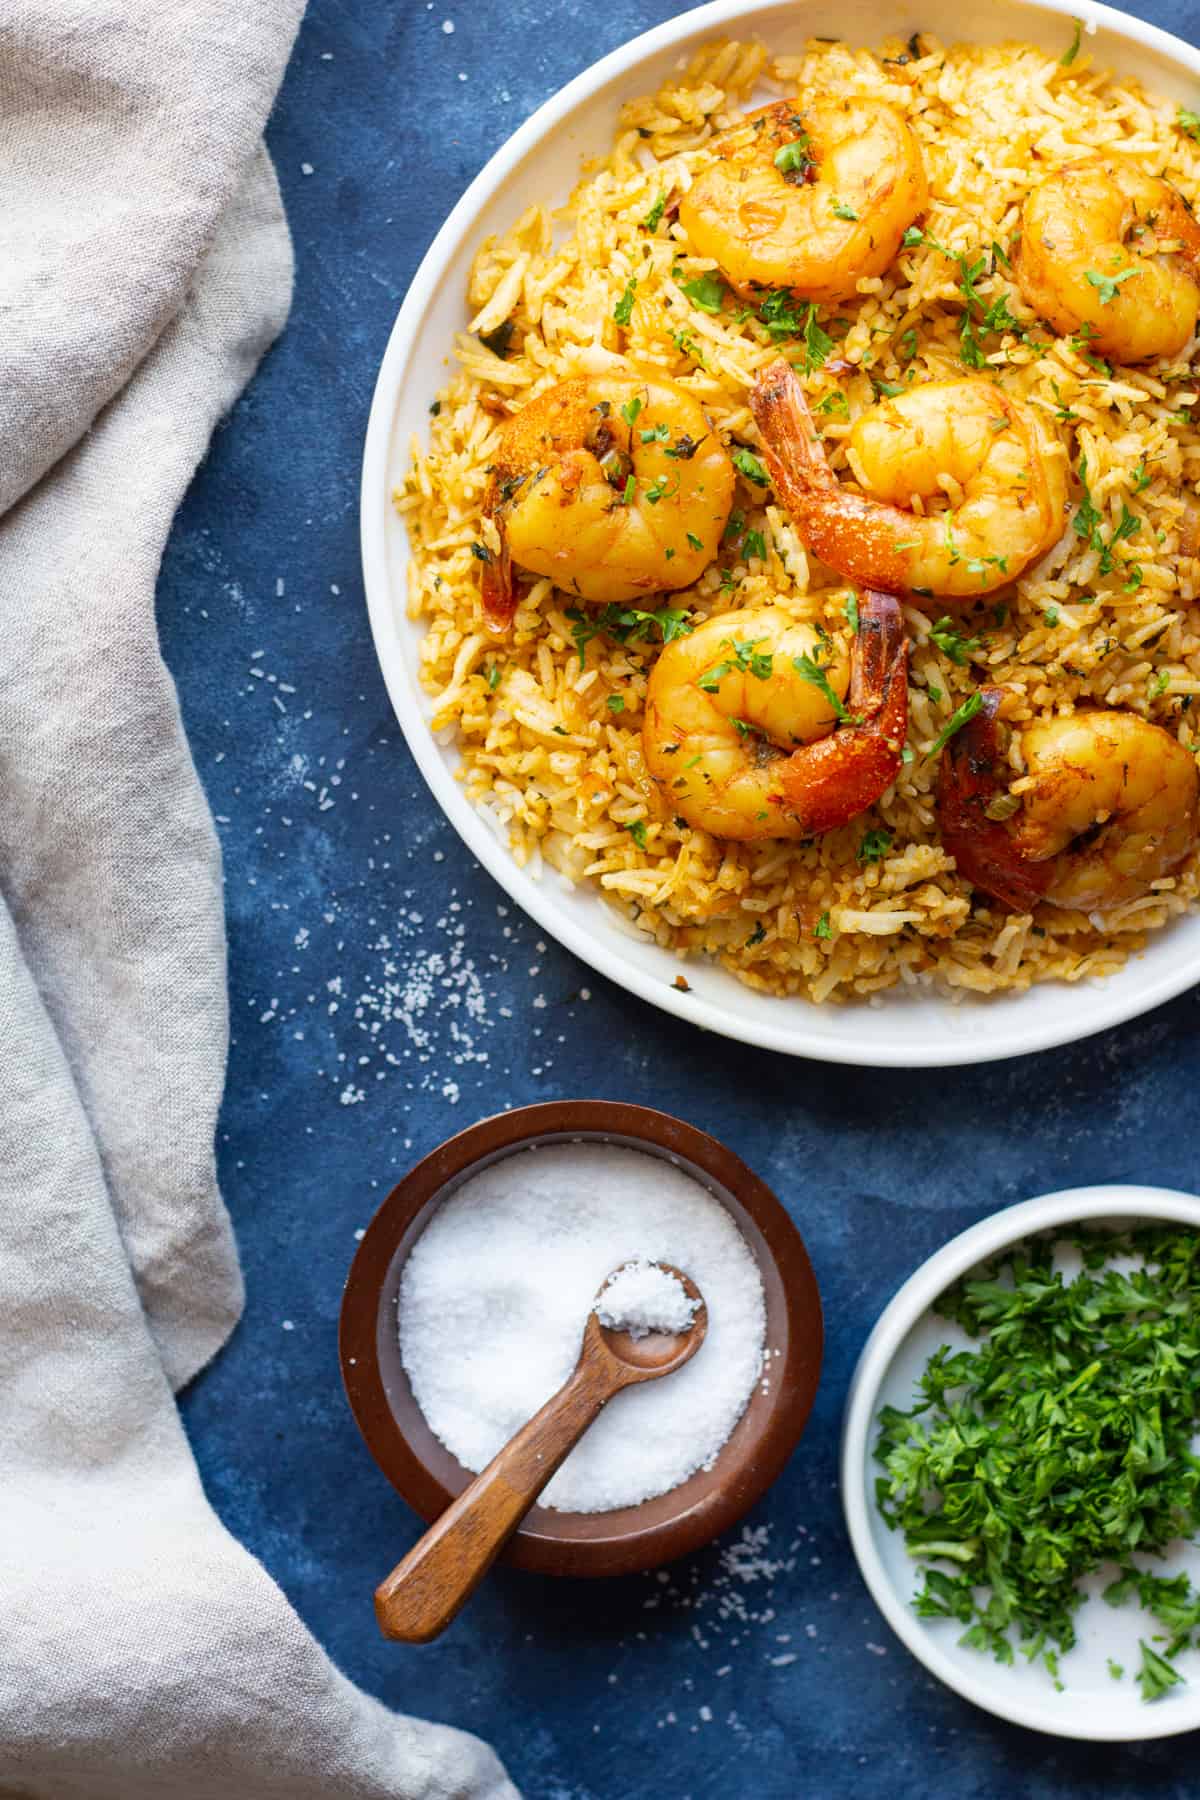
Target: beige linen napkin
144	269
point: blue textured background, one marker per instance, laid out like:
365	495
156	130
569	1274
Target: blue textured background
343	880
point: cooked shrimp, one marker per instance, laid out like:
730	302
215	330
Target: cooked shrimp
615	486
1109	803
1115	254
808	198
739	728
1006	471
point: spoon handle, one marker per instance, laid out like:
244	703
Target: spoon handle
425	1591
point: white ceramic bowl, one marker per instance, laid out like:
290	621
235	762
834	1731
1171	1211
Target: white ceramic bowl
540	162
1093	1705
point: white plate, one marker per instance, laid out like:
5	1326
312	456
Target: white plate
1093	1705
541	162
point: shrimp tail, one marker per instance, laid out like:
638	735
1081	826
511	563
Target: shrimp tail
855	536
984	850
827	784
497	588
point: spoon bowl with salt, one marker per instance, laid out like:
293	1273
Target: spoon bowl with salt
649	1319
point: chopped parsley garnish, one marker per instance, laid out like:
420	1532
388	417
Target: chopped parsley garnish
951	642
823	928
694	541
792	160
655	434
630	490
1189	121
750	467
754	544
834	403
1106	285
615	703
707	291
631	409
817	343
1051	616
1157	684
811	671
627	625
1058	1441
493	677
652	218
623	310
1088	520
842	211
780	314
960	717
874	846
1141	477
851	611
1072	51
660	489
637	831
906	347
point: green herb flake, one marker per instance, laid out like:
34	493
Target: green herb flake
851	611
707	292
842	211
652	218
793	159
951	642
1189	121
749	465
874	847
754	544
623	310
811	671
637	831
615	703
1072	51
492	677
631	410
1058	1440
823	928
960	717
1106	285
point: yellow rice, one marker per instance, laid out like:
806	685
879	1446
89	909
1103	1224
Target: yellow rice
561	775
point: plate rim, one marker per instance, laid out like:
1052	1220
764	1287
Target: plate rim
997	1037
911	1301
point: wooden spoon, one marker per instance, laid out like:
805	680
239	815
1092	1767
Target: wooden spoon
426	1590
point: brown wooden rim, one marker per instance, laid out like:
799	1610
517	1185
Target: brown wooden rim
631	1538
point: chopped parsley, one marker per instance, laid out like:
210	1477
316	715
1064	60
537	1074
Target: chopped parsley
655	434
652	218
637	831
842	211
851	611
615	703
623	310
630	411
750	467
834	403
1051	616
1072	51
823	928
492	677
707	291
817	343
792	160
951	642
1106	285
811	671
694	541
1189	121
1058	1441
627	625
960	717
875	846
754	544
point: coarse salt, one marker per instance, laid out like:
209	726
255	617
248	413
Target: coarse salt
643	1297
496	1291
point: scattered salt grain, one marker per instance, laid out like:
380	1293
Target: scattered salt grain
495	1293
643	1297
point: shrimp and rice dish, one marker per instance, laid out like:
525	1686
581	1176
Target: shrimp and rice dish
808	542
